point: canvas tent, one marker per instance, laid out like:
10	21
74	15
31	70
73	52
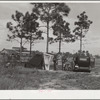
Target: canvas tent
48	59
37	61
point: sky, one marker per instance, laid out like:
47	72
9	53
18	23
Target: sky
91	42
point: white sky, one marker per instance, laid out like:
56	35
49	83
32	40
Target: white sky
92	38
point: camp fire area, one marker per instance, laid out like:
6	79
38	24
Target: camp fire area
24	78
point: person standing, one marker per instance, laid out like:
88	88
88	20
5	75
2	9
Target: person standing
13	60
63	61
55	61
88	55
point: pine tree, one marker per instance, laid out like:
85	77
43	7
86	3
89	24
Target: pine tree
82	27
48	13
62	32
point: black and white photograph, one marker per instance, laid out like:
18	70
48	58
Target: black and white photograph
49	46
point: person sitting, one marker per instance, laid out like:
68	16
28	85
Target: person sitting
87	54
83	54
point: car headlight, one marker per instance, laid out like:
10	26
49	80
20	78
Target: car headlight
76	66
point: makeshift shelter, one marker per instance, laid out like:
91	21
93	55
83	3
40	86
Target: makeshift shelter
9	52
37	61
48	59
7	55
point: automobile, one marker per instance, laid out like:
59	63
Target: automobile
82	63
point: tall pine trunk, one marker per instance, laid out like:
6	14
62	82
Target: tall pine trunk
30	45
81	44
47	46
60	43
60	46
20	48
81	41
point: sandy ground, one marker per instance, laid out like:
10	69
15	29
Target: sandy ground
20	78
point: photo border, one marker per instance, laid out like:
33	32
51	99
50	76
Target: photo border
49	94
